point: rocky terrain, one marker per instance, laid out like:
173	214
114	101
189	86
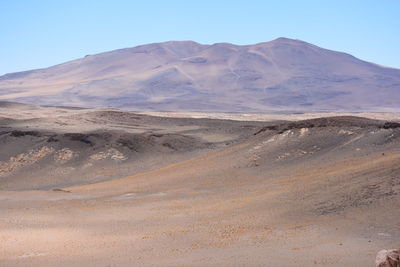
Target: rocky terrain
280	75
60	146
195	192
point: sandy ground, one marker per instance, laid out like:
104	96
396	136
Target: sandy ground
293	195
276	116
22	111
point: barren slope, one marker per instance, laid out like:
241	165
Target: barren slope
321	192
282	74
49	147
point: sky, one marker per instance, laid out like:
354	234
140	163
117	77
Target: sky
41	33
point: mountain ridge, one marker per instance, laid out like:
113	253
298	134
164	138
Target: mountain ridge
194	42
279	75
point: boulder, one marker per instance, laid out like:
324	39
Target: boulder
388	258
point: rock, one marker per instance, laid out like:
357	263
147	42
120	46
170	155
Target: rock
388	258
25	159
64	155
112	153
60	190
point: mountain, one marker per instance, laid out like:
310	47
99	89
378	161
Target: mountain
280	75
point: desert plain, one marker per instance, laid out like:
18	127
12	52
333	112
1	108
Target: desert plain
104	187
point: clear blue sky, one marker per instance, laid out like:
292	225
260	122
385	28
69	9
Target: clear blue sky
41	33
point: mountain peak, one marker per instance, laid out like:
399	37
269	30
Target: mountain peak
284	40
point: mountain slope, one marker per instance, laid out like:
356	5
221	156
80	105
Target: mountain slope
282	74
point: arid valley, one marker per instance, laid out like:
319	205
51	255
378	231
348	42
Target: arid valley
104	187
